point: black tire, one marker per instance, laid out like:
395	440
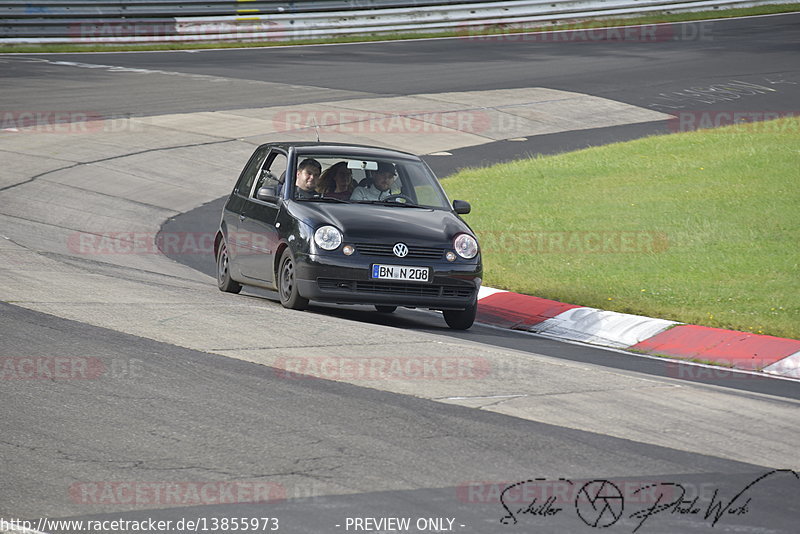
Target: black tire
224	281
461	319
385	309
287	284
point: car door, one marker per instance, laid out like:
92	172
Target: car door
257	223
237	204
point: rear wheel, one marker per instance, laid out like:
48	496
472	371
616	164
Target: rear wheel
385	309
461	319
224	281
287	284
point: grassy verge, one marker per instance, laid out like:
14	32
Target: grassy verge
700	227
489	30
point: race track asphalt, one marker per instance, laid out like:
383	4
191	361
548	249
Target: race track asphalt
174	385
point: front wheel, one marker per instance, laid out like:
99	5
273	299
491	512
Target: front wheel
461	319
287	284
224	281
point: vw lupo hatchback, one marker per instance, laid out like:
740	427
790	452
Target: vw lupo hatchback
384	235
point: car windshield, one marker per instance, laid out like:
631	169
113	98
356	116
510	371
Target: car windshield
359	179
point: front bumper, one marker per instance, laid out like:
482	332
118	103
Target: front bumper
346	280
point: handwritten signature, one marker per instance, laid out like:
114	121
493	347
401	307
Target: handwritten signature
601	503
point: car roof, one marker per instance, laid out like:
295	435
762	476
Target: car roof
311	147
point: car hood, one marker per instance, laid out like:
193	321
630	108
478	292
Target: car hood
376	223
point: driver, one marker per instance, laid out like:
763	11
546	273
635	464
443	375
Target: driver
380	185
306	179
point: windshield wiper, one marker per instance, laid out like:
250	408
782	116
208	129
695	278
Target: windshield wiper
326	199
391	203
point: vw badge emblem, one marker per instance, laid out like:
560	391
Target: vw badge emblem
400	250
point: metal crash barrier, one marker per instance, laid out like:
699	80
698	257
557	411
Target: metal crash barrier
158	21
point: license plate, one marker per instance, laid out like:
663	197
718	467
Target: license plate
400	272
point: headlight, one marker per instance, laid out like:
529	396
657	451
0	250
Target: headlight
465	246
328	237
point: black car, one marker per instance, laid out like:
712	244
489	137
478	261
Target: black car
404	245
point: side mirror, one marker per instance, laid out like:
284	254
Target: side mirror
269	194
461	207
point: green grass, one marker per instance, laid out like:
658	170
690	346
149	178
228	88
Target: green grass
653	18
700	227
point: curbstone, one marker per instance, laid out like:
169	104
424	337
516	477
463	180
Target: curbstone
658	337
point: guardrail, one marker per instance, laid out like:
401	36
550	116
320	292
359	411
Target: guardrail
151	21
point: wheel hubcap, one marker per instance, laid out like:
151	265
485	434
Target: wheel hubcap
287	280
222	265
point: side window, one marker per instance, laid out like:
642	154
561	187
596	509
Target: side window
251	171
271	174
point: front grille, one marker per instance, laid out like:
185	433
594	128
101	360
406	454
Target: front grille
414	252
396	288
456	291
